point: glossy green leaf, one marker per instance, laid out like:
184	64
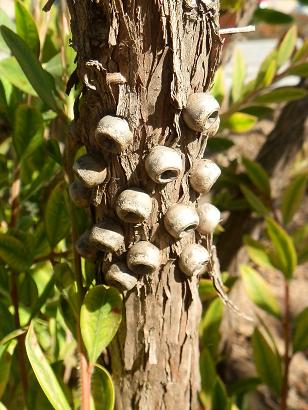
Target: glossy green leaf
267	362
38	78
271	16
43	372
11	71
267	70
218	90
26	28
238	77
282	94
239	122
255	203
257	175
285	253
259	291
219	396
257	252
28	130
102	390
301	70
292	197
300	334
14	253
57	219
100	317
287	46
207	371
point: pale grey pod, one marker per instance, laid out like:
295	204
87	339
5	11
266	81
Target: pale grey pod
209	217
201	113
119	276
107	236
163	164
84	247
193	260
113	134
181	219
203	175
133	206
80	194
90	170
143	258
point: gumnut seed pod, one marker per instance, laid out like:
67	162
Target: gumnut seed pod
113	134
107	236
201	113
163	164
209	217
120	277
80	194
203	175
193	260
133	205
84	248
143	258
90	170
181	219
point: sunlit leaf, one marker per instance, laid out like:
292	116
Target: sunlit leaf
300	335
26	27
218	90
257	175
257	252
238	77
11	71
287	46
267	70
12	335
239	122
301	53
292	197
102	390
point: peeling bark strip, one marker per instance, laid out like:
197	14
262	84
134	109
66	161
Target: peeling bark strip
160	51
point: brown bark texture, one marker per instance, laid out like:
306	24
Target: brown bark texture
165	50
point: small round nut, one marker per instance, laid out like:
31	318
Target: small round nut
91	171
181	219
201	113
84	248
209	217
203	175
107	236
193	260
133	206
119	276
143	258
163	164
113	134
80	194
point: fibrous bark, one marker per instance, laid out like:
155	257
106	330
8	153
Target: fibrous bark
162	51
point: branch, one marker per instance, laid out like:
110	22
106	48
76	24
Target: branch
236	30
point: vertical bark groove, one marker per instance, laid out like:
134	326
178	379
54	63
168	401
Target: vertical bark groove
165	50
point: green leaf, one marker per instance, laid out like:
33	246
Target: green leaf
285	253
11	71
26	28
259	111
219	144
301	70
5	368
239	122
44	373
255	203
219	396
259	291
210	324
257	252
14	253
267	70
207	371
267	362
292	197
300	335
243	386
28	130
218	89
12	335
300	238
57	218
54	150
287	46
102	390
238	77
38	78
257	175
301	53
271	16
282	94
100	317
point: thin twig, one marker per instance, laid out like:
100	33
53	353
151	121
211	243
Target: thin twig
236	30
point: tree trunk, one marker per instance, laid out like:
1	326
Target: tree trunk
164	51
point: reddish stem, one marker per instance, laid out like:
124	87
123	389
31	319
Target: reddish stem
85	375
287	359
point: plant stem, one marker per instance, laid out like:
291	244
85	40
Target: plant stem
85	375
287	359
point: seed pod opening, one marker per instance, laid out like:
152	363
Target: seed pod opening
201	113
163	164
80	194
91	171
113	134
84	247
119	276
133	206
193	260
181	219
203	175
143	258
209	217
107	236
